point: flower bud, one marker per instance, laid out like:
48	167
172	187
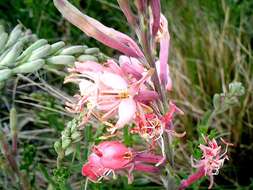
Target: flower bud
84	58
76	136
56	47
58	146
91	51
40	53
10	58
97	30
32	47
61	60
66	142
29	67
73	50
156	12
14	36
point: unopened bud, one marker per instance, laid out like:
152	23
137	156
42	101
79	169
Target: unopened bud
33	47
84	58
58	146
76	136
29	67
66	142
61	60
40	53
14	36
92	51
56	47
9	59
73	50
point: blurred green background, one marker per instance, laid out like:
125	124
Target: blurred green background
211	47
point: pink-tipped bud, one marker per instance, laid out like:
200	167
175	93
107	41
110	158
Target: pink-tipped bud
97	30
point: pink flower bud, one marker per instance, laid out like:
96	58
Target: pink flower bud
156	12
97	30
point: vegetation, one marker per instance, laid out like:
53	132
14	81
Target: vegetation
211	47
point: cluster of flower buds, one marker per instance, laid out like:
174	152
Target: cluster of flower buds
212	160
21	52
69	137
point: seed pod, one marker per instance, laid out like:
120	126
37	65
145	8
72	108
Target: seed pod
3	40
61	60
10	58
73	50
33	47
83	58
56	47
40	53
5	74
14	36
92	51
29	67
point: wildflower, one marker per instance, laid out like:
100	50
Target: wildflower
151	127
112	156
111	90
212	160
97	30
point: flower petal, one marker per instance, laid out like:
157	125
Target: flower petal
127	109
114	81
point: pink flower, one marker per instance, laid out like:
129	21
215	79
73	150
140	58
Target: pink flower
212	160
112	90
112	156
97	30
151	127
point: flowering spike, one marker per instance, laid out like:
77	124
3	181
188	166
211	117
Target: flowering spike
97	30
